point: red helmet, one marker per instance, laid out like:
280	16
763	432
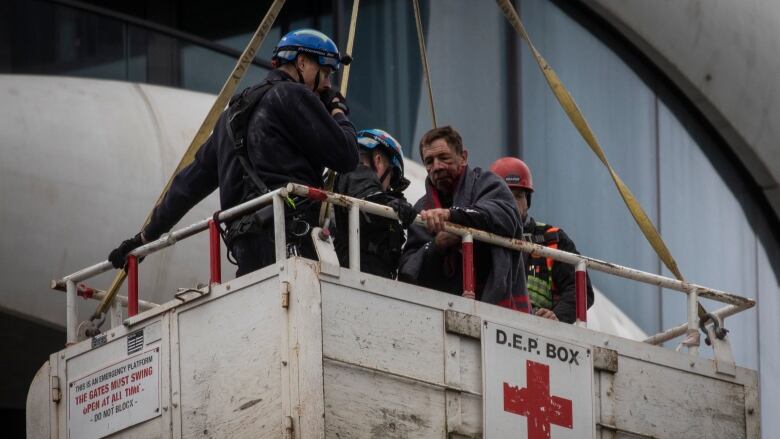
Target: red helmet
514	172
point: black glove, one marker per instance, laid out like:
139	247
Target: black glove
333	99
118	256
405	211
399	185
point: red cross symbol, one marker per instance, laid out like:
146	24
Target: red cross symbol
536	404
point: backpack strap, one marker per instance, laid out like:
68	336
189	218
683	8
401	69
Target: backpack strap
544	234
551	240
547	236
239	112
550	236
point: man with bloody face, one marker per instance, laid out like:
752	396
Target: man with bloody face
470	197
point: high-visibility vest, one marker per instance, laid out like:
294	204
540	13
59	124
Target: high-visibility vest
539	279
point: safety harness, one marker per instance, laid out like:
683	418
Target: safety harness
541	287
239	112
205	128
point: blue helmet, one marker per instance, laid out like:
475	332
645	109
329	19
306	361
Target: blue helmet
310	42
376	139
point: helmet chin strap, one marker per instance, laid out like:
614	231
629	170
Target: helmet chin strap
373	168
316	82
300	75
385	175
302	81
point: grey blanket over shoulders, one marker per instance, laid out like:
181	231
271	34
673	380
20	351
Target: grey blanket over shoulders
482	201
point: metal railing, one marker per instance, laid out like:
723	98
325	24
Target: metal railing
734	302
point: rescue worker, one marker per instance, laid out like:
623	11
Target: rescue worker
379	178
550	283
469	197
286	129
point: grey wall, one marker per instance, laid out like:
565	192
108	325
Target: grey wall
573	190
465	44
725	56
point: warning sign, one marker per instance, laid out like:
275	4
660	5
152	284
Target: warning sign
535	387
115	397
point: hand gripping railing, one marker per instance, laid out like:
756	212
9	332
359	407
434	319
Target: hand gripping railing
468	235
582	263
70	281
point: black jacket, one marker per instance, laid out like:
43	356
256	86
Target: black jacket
380	238
291	138
482	201
563	293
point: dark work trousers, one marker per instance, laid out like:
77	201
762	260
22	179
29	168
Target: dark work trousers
254	251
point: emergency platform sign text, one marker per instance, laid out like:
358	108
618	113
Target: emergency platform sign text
115	397
535	387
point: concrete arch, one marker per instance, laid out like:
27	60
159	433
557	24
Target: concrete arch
725	57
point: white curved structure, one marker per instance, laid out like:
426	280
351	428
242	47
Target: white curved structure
82	163
605	316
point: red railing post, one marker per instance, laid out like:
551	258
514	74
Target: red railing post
580	291
132	285
468	266
214	257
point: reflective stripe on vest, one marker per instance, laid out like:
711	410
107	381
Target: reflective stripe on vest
542	289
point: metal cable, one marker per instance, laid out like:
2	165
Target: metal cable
424	58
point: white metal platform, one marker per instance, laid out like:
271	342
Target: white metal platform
289	351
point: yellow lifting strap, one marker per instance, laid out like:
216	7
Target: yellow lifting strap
350	45
424	58
205	128
331	178
575	115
